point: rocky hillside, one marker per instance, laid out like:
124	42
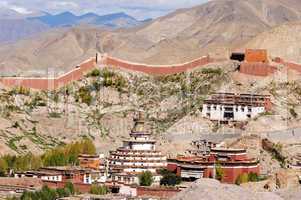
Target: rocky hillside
102	106
214	27
208	188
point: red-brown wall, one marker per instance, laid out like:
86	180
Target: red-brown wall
50	84
289	65
257	69
156	70
34	83
231	174
157	192
83	188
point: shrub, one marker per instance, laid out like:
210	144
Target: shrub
253	177
99	190
212	71
49	194
146	178
219	172
54	115
69	187
20	90
3	167
243	178
293	113
94	73
85	95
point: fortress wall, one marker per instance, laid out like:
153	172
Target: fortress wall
34	83
293	66
289	65
257	69
50	83
156	69
75	74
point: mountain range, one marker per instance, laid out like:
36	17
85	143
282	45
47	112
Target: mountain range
216	28
115	20
16	26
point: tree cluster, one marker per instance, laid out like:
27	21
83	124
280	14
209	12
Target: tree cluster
59	156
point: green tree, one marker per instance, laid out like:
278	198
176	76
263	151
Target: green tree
146	178
169	178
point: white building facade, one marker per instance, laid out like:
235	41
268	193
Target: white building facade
233	107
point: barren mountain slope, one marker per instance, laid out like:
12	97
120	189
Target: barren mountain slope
214	27
283	41
15	29
58	51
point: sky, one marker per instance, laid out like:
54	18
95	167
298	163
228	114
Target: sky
141	9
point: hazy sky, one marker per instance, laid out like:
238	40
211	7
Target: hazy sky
138	8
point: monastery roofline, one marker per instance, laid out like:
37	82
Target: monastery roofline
139	133
230	150
140	141
117	167
212	163
241	94
135	155
65	168
139	160
122	149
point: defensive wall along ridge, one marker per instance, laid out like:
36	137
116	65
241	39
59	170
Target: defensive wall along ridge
252	65
157	69
52	83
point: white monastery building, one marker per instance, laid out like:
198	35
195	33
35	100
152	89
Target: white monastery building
235	107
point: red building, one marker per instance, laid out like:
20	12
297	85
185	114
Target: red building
254	62
256	55
233	162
